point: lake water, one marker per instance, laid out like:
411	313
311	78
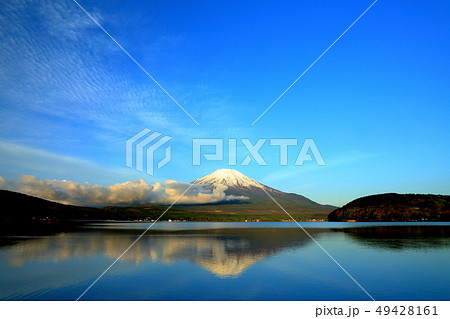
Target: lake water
230	261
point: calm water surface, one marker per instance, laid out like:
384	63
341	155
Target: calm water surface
230	261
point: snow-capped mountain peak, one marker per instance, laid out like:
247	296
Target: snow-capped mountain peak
240	186
229	177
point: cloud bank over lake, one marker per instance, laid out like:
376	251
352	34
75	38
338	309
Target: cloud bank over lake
137	192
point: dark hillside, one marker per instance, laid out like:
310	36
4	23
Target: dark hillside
395	207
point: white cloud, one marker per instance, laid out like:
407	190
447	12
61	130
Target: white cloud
136	192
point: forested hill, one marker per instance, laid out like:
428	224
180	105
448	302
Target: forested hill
17	207
395	207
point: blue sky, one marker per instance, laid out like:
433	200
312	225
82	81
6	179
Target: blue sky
377	104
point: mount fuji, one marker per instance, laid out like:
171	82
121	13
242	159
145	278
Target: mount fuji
240	198
257	200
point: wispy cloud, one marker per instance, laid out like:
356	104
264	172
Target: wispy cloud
55	62
64	82
18	159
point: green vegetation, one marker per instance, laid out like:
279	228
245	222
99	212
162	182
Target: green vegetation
28	212
188	213
395	207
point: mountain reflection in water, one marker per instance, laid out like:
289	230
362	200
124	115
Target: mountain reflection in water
229	261
224	252
400	237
